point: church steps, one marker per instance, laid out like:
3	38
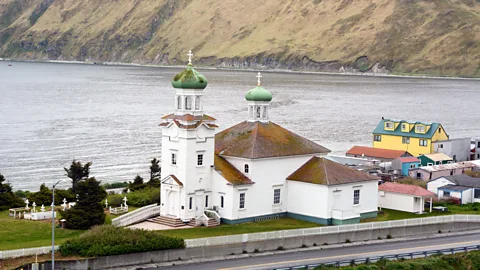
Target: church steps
168	221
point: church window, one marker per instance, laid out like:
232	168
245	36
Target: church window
251	111
197	103
276	196
246	168
174	159
264	115
242	201
356	197
188	103
221	201
190	203
206	200
179	102
200	160
258	112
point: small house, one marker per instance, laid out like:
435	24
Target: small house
401	197
383	155
458	149
463	187
404	164
427	173
435	159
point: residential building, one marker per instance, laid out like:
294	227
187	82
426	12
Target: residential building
427	173
458	149
383	155
415	137
253	170
405	164
401	197
463	187
475	155
434	159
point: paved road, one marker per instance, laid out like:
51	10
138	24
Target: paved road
343	253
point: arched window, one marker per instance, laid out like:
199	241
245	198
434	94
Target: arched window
179	102
221	201
246	168
197	103
188	103
250	109
264	115
258	112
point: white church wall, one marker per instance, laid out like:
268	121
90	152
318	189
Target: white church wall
308	199
341	197
396	201
220	187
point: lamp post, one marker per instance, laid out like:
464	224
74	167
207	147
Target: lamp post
53	224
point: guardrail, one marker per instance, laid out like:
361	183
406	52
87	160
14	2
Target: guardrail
15	253
412	255
251	237
137	215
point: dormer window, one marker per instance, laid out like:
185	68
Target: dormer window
439	130
420	129
247	169
404	127
389	125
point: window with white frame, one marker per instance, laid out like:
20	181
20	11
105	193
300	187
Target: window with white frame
197	103
446	193
276	196
356	197
377	138
420	128
190	203
206	200
404	127
440	145
412	166
423	142
476	193
406	140
200	160
222	201
188	103
179	102
242	201
389	125
246	168
174	159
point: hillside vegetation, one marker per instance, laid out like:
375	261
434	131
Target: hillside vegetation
440	37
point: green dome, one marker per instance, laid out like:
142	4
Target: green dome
189	78
258	94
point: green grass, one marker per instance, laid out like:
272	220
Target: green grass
250	227
15	234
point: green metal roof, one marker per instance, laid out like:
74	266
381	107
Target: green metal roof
189	78
258	94
398	131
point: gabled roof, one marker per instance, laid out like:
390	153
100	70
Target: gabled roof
322	171
174	178
230	173
463	180
263	140
376	152
380	129
189	117
444	167
437	157
408	159
454	188
405	189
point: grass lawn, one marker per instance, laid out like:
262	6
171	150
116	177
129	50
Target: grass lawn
250	227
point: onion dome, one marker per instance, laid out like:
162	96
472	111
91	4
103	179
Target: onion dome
258	93
189	78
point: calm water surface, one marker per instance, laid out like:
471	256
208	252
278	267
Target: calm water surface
51	114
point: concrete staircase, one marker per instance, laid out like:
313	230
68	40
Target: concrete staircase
168	221
212	222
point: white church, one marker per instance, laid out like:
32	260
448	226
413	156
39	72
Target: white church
254	170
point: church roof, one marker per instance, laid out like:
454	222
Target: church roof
189	117
258	94
263	140
189	78
229	172
326	172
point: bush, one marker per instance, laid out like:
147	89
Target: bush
109	240
115	185
144	197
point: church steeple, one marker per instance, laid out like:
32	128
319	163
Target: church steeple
258	102
189	85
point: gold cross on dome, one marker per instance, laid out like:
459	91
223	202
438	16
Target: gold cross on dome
190	54
259	76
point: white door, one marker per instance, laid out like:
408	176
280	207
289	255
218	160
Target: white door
199	205
171	203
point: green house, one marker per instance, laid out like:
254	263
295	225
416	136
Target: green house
434	159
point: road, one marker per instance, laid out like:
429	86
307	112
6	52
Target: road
334	254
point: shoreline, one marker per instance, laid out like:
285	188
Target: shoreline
369	74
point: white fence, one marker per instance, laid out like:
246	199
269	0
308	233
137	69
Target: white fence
25	252
137	215
252	237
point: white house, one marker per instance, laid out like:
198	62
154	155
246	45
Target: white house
461	186
240	174
458	149
401	197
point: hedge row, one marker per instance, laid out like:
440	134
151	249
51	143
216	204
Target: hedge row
109	240
459	261
136	198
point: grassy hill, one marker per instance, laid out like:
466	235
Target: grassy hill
440	37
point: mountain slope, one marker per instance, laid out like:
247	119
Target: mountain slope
439	37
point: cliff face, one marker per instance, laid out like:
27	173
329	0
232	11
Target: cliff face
439	37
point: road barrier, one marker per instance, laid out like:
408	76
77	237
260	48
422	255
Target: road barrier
413	255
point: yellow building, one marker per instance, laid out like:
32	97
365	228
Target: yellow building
416	138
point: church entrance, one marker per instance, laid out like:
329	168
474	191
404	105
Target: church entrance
199	205
171	206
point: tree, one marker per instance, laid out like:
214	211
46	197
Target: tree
137	184
155	171
88	211
7	198
77	172
43	196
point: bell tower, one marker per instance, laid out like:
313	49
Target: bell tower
258	102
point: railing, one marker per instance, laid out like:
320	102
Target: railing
201	220
242	238
413	255
214	215
137	215
15	253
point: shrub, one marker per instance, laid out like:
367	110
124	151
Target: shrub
115	185
348	241
256	250
280	248
389	236
109	240
143	197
